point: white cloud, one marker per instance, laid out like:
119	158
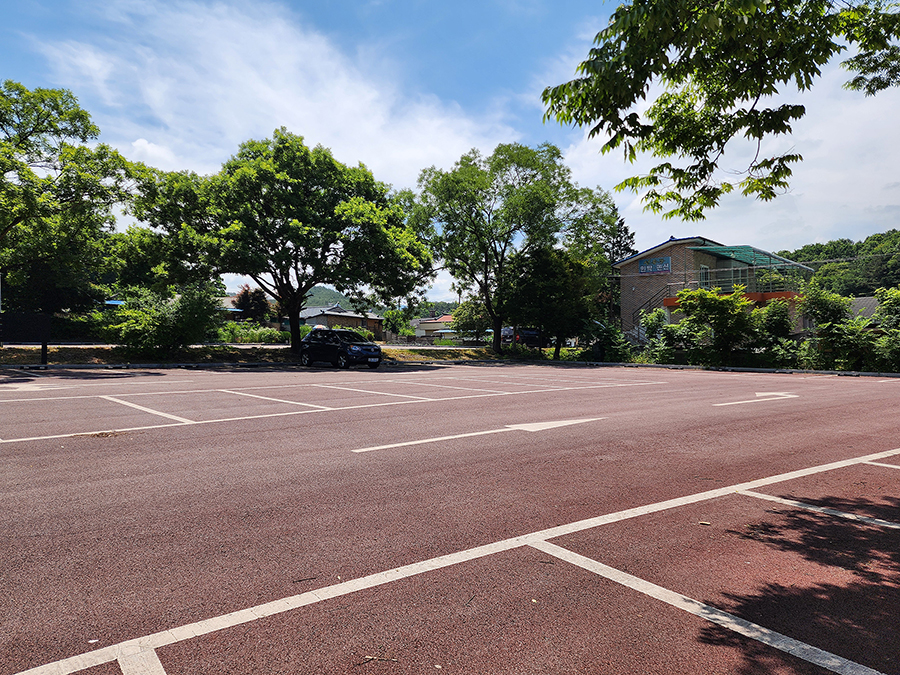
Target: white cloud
77	62
191	81
158	156
181	85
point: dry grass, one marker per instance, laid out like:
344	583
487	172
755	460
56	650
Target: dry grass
401	354
30	356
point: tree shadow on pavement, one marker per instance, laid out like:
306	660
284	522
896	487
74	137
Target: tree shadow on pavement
858	619
26	376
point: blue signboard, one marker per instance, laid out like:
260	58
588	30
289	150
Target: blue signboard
656	265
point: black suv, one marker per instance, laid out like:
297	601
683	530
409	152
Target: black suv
530	337
339	347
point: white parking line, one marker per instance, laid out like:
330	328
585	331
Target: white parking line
111	653
450	386
145	662
367	391
537	426
148	410
276	400
883	464
432	440
822	509
801	650
769	396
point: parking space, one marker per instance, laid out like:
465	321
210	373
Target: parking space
29	418
460	519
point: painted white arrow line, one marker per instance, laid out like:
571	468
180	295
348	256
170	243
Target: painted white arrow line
536	426
770	396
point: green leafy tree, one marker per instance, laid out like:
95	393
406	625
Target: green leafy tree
598	236
853	268
53	266
594	231
291	217
156	323
824	307
554	291
773	324
722	323
56	199
888	312
721	70
489	208
773	321
254	304
887	317
397	321
136	257
471	320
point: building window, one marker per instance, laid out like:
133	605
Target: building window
704	276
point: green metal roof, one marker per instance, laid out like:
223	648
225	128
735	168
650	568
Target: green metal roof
750	255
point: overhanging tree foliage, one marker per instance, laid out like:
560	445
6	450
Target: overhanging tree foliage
716	67
291	217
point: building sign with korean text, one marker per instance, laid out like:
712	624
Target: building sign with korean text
656	265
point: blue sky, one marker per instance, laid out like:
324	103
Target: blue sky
403	85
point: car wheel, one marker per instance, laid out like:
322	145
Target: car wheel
373	366
342	361
305	360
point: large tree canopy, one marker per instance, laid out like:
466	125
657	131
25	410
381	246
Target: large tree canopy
555	290
519	199
714	68
489	208
56	198
291	217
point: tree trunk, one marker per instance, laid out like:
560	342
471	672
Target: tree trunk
293	313
498	328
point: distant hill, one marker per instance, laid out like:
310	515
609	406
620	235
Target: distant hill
326	297
853	268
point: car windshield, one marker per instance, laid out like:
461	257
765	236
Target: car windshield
349	336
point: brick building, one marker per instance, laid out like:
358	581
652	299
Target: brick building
652	278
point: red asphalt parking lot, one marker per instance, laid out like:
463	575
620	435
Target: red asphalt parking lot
448	519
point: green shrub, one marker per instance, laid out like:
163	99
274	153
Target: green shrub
810	355
783	353
365	332
250	332
82	327
152	322
523	353
887	351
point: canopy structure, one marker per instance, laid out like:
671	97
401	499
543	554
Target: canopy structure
750	255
